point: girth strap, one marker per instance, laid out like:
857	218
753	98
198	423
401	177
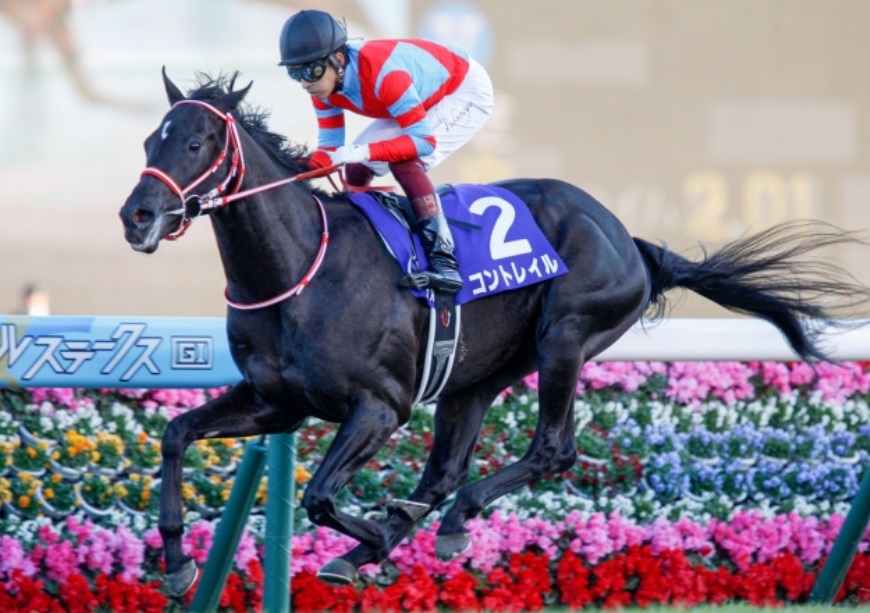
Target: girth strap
444	328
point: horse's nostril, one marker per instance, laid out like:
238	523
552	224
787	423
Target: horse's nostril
141	215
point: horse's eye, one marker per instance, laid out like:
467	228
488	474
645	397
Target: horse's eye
194	146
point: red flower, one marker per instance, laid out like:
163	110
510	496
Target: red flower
309	595
387	600
77	595
421	593
572	580
121	597
500	596
458	593
28	595
857	581
533	581
653	584
686	586
609	582
758	585
720	584
233	595
791	576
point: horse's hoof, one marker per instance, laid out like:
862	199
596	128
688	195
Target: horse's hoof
451	546
178	583
338	572
414	510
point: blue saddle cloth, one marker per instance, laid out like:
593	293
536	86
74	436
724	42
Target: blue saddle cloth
498	243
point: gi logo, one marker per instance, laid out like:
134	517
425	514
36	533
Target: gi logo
192	353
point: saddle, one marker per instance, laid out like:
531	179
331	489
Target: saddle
399	206
498	244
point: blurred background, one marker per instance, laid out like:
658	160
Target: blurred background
694	122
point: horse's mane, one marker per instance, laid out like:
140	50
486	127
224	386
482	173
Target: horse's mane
291	156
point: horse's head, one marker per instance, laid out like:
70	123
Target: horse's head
194	152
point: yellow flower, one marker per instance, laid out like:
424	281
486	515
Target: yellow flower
23	502
47	493
5	490
261	491
77	443
95	456
56	478
302	475
188	492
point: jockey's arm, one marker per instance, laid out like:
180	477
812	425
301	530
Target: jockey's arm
402	100
330	124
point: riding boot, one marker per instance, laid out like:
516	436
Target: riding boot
443	273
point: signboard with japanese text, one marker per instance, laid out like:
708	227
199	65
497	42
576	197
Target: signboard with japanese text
115	352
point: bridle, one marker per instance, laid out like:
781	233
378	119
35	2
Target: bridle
222	195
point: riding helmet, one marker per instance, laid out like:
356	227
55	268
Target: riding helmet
310	35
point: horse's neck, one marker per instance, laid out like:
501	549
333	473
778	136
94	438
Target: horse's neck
268	240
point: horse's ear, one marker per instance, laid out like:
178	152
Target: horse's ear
231	100
172	92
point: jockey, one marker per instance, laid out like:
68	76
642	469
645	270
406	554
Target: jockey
427	100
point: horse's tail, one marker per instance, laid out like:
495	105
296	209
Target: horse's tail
768	275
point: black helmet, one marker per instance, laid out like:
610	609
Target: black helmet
308	36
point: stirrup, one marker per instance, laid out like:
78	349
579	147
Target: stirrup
428	279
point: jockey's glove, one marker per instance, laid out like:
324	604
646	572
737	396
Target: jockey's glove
350	154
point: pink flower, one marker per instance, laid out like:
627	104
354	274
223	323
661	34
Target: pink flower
198	540
14	558
153	539
98	555
246	552
60	561
131	553
47	534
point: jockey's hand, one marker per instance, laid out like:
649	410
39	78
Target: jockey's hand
319	159
350	154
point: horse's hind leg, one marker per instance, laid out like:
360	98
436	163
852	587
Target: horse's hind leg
234	414
552	450
457	423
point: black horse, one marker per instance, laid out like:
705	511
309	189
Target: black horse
349	349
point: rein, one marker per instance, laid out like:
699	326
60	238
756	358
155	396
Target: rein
219	197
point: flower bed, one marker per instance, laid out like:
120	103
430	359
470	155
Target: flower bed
514	565
696	482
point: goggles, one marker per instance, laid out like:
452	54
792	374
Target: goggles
310	72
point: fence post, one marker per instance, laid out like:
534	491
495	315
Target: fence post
834	571
279	523
230	527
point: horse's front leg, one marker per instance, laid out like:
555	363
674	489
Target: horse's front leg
234	414
365	430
